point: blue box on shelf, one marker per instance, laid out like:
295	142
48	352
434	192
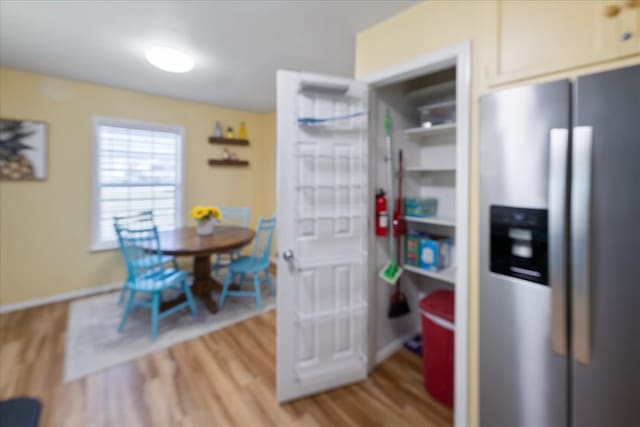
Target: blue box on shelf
428	252
420	207
435	253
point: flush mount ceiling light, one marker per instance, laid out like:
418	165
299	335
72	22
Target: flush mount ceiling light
168	59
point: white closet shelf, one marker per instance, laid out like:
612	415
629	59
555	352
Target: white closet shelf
447	275
434	130
430	168
435	220
434	91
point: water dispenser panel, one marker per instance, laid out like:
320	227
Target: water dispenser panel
519	243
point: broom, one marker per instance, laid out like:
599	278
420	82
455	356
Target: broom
392	271
399	306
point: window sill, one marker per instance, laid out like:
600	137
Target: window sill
103	247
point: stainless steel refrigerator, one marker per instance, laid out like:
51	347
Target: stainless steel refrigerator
560	253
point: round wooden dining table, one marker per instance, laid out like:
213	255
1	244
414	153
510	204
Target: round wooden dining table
186	242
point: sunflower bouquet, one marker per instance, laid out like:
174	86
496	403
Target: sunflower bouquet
206	216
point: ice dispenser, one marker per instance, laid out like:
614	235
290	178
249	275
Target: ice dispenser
519	243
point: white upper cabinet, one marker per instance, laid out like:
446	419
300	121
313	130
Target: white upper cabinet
541	37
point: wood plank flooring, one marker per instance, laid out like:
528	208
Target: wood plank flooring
226	378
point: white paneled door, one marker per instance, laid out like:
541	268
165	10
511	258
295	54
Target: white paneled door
322	233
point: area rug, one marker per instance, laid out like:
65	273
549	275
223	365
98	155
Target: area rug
94	343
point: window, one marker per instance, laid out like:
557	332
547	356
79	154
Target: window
138	167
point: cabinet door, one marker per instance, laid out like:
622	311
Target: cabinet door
626	36
535	37
540	37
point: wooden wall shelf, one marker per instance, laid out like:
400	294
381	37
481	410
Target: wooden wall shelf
227	141
228	162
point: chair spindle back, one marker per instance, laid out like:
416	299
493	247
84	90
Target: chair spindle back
235	216
135	232
264	238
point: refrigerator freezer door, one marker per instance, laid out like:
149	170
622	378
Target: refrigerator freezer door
522	381
606	383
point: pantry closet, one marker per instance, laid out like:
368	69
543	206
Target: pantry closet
436	168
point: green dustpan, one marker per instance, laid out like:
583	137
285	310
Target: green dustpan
391	273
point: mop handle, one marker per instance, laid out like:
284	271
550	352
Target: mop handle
398	207
388	159
400	171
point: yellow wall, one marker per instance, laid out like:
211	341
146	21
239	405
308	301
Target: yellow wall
269	183
45	226
438	24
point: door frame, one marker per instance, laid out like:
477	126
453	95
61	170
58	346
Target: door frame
458	55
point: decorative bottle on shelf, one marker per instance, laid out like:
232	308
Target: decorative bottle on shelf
217	130
230	134
242	131
225	153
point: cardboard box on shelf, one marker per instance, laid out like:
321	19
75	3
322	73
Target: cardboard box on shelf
429	252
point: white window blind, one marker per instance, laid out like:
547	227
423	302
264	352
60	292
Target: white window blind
138	168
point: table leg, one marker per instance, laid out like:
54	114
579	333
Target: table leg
203	284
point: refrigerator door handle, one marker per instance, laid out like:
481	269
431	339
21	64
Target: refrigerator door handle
558	236
581	242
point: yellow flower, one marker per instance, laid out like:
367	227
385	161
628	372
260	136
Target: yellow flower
199	212
215	212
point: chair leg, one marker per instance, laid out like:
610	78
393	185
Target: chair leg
127	310
155	312
222	273
267	278
256	285
187	293
123	292
225	288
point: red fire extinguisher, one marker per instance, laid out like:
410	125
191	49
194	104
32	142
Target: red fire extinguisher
382	214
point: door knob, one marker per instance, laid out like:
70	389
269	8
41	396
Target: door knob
287	255
627	35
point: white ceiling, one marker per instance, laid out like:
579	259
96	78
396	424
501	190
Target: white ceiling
237	45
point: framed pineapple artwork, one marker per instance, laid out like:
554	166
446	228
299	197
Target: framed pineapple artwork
23	150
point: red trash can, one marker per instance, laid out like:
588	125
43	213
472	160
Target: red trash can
437	344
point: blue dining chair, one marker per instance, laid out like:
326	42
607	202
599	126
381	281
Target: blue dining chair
140	220
147	275
256	263
230	216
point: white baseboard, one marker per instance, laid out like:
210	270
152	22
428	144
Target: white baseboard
6	308
385	352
